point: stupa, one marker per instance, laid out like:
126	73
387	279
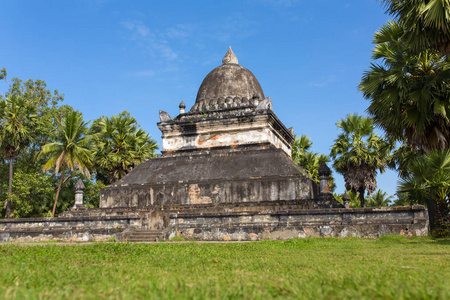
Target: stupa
225	173
229	147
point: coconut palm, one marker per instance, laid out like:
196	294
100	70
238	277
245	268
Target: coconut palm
358	154
120	145
70	149
378	199
409	92
17	119
429	179
427	22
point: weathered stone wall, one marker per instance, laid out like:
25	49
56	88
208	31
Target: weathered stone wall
74	228
219	128
227	221
336	222
208	192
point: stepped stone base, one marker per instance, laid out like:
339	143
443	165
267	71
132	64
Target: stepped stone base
277	220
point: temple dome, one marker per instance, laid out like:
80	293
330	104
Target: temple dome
229	83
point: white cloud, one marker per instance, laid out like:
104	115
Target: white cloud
154	43
324	81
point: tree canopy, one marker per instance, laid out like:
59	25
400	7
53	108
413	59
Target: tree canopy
32	122
358	154
119	145
426	23
70	149
429	180
408	91
308	160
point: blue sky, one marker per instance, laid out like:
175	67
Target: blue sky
107	56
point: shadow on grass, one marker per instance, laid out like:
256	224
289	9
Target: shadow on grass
445	241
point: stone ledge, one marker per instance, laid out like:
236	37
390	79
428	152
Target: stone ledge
68	219
289	224
338	211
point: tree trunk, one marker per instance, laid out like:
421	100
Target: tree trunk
361	197
8	200
438	216
59	188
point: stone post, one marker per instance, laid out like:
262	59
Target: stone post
79	188
324	177
182	107
346	200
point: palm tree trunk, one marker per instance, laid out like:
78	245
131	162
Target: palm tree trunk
361	196
59	188
8	200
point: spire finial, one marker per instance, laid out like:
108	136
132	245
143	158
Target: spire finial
230	57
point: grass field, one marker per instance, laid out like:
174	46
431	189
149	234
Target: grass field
386	268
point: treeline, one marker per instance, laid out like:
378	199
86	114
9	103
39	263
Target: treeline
46	147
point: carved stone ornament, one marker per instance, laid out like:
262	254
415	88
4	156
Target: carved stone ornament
264	105
79	186
324	170
291	130
164	116
230	57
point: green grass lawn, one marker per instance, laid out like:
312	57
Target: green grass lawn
386	268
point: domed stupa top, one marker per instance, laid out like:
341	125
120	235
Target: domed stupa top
229	84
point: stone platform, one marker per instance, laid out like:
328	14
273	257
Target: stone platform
275	220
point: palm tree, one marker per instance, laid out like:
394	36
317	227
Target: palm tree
429	179
120	145
408	91
427	22
354	199
308	160
17	119
378	199
358	153
70	149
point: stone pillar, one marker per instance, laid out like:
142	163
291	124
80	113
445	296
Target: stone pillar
324	177
346	200
79	188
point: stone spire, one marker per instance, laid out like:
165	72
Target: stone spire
79	187
346	200
230	57
182	107
324	170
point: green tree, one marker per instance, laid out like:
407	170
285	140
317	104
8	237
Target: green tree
70	149
91	192
378	199
354	199
308	160
429	179
426	23
408	91
401	158
17	120
27	111
32	193
358	154
119	145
